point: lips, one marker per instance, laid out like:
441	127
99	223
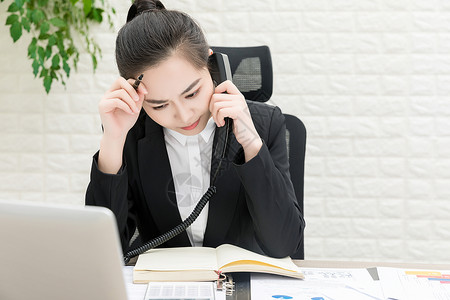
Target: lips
192	126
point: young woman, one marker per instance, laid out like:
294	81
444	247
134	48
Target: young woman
156	153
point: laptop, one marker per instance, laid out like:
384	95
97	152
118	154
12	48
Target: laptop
59	252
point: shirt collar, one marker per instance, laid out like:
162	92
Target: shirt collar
205	134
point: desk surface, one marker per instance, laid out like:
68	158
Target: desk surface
362	264
243	284
243	280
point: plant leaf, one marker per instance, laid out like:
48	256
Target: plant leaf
32	48
26	24
19	3
71	50
87	6
16	31
48	52
37	15
35	67
41	54
44	72
45	26
54	23
13	7
60	44
55	61
94	62
58	22
12	19
52	40
48	83
43	36
42	3
100	15
66	68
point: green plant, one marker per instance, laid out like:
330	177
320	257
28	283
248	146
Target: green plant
53	26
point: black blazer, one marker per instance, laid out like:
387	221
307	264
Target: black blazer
254	207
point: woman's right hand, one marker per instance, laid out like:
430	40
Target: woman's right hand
119	108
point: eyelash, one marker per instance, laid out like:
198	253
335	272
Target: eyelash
190	96
159	107
193	94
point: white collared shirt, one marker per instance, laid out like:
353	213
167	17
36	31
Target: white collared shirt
190	162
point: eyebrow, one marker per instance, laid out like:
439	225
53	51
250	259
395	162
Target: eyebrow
154	101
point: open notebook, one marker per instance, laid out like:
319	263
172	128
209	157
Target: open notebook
59	252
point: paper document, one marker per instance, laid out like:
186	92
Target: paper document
138	291
409	284
180	291
319	284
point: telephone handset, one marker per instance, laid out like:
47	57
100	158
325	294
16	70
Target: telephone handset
220	70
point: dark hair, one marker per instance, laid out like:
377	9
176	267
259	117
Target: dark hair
153	34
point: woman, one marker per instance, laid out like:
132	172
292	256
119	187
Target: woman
155	159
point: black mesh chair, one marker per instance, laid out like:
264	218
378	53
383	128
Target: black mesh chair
251	68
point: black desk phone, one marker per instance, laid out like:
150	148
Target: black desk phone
220	71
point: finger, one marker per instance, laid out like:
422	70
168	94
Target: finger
227	87
140	103
142	89
214	106
226	98
125	97
220	98
226	112
221	110
130	89
232	100
121	83
115	103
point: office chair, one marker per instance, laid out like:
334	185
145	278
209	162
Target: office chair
296	143
251	68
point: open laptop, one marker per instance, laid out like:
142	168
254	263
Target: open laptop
59	252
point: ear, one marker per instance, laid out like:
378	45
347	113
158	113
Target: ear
210	52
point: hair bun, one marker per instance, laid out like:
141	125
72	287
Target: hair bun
140	6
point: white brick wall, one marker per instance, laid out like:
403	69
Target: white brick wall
370	79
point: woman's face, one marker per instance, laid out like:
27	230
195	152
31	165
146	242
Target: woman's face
178	95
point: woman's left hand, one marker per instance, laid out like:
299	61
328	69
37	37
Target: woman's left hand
228	102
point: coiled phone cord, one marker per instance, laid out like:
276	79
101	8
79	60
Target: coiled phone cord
194	214
176	230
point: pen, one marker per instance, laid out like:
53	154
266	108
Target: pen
138	81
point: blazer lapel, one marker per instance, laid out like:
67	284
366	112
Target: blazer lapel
157	182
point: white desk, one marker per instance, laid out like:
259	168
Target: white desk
137	291
134	291
362	264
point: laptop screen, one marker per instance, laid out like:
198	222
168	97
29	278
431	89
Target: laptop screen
59	252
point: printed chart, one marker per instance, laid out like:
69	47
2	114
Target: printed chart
319	284
415	284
